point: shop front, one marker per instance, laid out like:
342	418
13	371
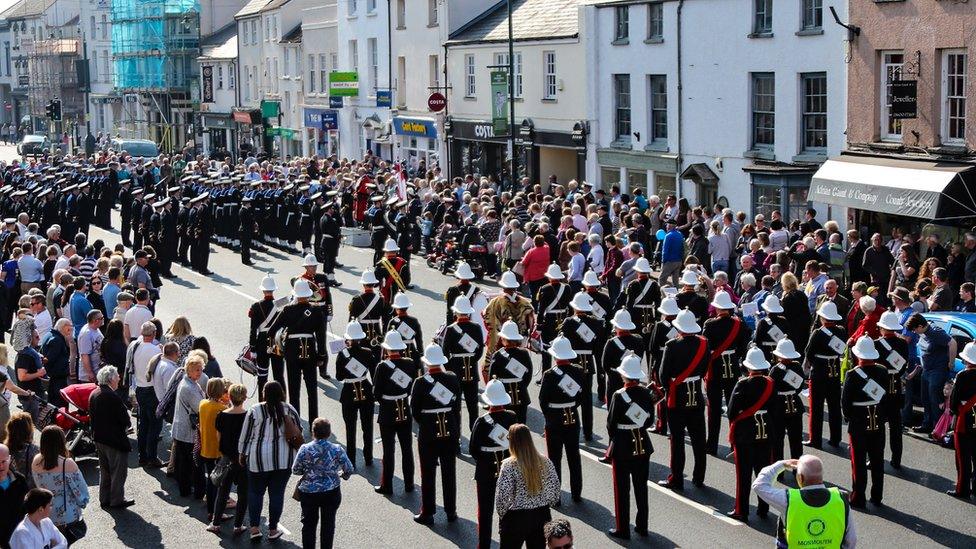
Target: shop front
784	188
545	153
474	149
416	142
218	132
883	193
321	134
249	130
655	172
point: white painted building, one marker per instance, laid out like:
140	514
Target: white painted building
550	89
320	54
218	90
104	103
762	103
364	49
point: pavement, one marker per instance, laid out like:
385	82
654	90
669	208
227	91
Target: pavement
917	513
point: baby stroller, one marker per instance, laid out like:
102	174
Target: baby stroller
73	418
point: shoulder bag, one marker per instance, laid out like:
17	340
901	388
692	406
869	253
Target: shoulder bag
73	531
292	431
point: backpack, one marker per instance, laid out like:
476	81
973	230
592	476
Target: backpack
21	333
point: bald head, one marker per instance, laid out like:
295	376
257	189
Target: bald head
809	470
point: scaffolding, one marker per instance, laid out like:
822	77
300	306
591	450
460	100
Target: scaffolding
155	44
52	75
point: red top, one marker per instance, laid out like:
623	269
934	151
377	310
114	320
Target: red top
868	326
536	262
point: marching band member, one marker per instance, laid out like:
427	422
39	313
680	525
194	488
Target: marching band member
354	369
630	446
392	383
511	365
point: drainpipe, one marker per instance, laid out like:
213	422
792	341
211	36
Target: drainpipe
679	160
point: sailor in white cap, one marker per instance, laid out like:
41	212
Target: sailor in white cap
559	397
750	421
306	352
586	335
435	401
370	310
408	326
683	364
728	338
552	304
319	283
508	305
630	450
511	365
464	345
489	447
353	369
464	287
622	340
661	334
824	352
688	297
893	354
389	271
201	231
641	296
787	372
261	314
392	381
772	328
863	395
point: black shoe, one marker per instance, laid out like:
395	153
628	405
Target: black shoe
811	444
762	513
452	518
588	438
671	485
619	534
154	464
424	519
737	516
577	499
338	265
698	483
605	459
876	502
248	263
922	430
833	443
860	504
368	462
896	466
642	532
956	494
125	503
384	491
206	273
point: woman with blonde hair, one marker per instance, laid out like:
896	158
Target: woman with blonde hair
181	333
215	403
527	487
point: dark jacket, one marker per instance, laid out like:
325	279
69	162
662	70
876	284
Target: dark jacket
109	419
11	506
56	350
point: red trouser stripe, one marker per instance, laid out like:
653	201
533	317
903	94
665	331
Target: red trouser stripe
810	405
616	496
959	466
854	494
738	486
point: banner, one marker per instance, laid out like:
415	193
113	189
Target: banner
499	102
344	84
208	90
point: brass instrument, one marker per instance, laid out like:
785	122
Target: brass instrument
276	346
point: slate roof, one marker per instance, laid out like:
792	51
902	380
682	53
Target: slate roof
531	20
221	44
294	36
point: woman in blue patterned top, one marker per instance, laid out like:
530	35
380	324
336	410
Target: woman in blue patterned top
321	463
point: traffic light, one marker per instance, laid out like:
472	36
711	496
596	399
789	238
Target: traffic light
56	110
49	110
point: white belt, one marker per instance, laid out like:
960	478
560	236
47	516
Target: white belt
555	311
727	353
395	397
300	336
355	380
644	306
494	449
231	204
786	393
866	404
511	380
462	355
768	343
827	357
691	379
369	321
627	426
436	411
584	352
562	405
328	236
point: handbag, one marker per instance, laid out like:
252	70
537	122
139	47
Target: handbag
293	433
73	531
245	361
220	471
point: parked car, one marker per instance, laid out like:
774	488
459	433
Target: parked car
143	148
33	144
960	326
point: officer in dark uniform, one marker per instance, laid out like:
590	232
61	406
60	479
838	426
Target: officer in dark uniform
261	315
751	408
408	238
315	212
331	229
688	298
246	229
369	309
168	239
84	207
305	346
962	403
559	397
630	449
511	365
379	231
552	301
788	420
305	224
662	332
408	327
125	209
464	344
145	219
584	334
602	311
824	352
184	223
155	233
489	447
354	369
202	233
772	328
893	355
728	337
435	402
392	383
683	364
862	401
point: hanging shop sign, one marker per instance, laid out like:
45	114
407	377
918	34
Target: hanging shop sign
208	88
904	99
344	84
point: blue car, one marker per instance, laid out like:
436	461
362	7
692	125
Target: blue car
960	326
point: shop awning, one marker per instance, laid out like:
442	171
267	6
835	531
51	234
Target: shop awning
924	189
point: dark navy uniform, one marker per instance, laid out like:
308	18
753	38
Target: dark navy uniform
488	454
392	384
513	367
864	410
893	355
751	408
435	402
788	421
630	453
683	364
552	303
728	337
353	370
825	382
305	349
463	362
562	422
573	329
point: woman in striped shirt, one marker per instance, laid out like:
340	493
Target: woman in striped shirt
268	457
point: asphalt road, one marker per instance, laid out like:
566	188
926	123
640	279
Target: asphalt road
917	512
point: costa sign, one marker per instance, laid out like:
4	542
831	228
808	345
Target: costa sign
436	102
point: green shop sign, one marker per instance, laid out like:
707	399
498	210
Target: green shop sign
270	109
284	133
344	84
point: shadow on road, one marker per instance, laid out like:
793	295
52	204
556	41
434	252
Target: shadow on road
938	534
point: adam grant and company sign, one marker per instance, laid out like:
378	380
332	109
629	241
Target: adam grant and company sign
900	201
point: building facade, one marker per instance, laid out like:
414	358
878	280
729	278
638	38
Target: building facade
218	91
105	105
320	52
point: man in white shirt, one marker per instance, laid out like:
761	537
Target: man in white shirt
137	359
42	317
62	262
137	315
